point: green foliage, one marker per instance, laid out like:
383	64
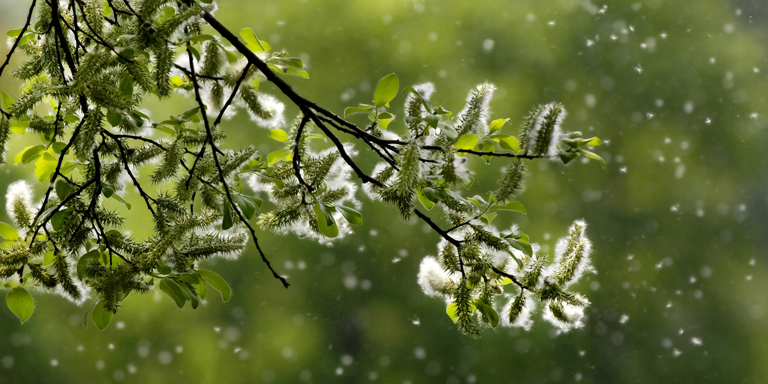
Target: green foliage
20	302
90	70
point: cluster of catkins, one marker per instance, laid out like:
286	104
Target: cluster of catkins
540	280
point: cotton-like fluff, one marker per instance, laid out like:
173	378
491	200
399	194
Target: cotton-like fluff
546	132
461	168
524	318
214	104
368	187
573	313
258	185
340	176
19	191
272	107
433	279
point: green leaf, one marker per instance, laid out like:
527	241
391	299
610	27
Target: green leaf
297	72
45	166
106	9
19	126
8	232
432	120
186	115
26	38
202	38
433	194
451	310
126	86
107	190
226	221
508	142
174	291
176	81
466	142
594	142
488	147
101	316
59	218
63	189
194	52
189	277
14	32
28	154
567	157
120	199
164	129
82	264
58	147
325	222
193	299
202	293
497	124
276	156
426	202
254	44
70	118
513	206
384	119
593	155
351	215
5	100
231	57
488	217
386	90
216	282
288	62
247	206
48	258
20	302
442	111
520	246
362	108
488	312
279	135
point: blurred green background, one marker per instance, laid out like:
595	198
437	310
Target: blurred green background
678	217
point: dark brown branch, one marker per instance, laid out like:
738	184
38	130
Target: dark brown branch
483	153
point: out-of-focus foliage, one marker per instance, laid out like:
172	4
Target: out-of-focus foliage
675	89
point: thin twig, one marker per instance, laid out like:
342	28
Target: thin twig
21	35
